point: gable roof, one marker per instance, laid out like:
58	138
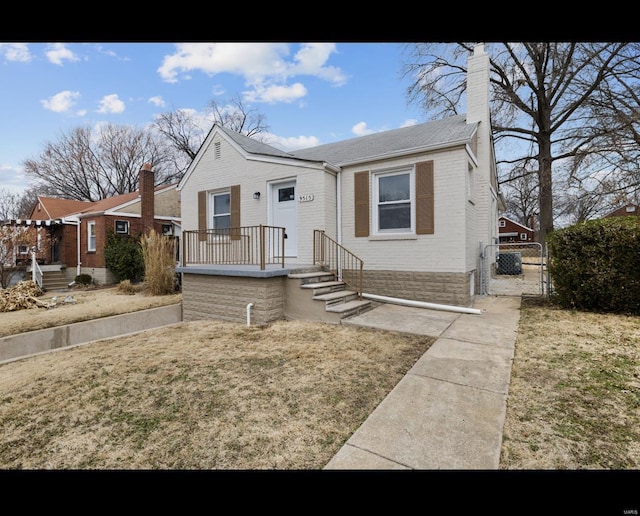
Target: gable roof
55	208
514	222
253	146
406	140
117	201
449	131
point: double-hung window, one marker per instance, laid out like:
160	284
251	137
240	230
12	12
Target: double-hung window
91	235
220	211
393	194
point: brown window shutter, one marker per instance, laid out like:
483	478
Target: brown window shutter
424	198
202	215
235	212
361	198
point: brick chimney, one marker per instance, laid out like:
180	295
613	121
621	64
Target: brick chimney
145	190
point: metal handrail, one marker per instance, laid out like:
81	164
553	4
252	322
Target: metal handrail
246	245
333	257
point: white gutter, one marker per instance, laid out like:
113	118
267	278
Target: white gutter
422	304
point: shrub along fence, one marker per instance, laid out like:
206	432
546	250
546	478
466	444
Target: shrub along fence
595	265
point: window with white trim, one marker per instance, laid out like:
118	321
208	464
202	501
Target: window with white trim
523	236
220	210
91	235
502	223
394	209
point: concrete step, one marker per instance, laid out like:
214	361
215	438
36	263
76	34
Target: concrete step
54	280
313	277
338	296
324	287
350	308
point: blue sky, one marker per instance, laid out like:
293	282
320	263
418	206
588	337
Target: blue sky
310	94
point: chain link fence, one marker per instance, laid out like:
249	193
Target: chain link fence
518	269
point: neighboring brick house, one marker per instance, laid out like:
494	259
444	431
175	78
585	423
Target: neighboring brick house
512	232
75	232
624	211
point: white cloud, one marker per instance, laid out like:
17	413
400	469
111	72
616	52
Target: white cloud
15	52
58	53
290	144
13	179
111	104
409	122
275	93
265	67
360	129
61	102
157	101
311	59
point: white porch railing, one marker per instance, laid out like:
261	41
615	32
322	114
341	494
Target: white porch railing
36	272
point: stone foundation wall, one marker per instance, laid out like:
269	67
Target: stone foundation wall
227	297
430	287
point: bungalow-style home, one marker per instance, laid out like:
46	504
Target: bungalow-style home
624	211
72	234
512	232
406	211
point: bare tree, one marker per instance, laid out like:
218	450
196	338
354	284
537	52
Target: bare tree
9	204
521	195
539	104
238	117
89	166
186	130
12	239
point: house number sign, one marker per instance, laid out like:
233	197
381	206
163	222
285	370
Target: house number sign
305	198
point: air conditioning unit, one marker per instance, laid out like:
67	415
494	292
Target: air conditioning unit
509	263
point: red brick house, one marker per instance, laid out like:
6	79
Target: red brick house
512	232
624	211
72	234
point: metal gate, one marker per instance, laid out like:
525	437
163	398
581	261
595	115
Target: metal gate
518	269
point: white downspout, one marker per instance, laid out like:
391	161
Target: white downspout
249	314
423	304
78	268
339	205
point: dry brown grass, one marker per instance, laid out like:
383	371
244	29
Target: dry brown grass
574	397
200	395
89	303
214	395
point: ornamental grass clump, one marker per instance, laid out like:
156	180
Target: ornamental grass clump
159	255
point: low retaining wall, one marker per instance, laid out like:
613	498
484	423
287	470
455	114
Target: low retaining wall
40	341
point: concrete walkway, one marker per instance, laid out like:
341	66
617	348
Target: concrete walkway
448	411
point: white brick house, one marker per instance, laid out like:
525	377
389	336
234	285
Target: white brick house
415	204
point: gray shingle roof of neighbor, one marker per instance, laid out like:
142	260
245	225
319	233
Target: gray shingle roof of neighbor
415	137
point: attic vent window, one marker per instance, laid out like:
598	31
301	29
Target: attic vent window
122	227
218	153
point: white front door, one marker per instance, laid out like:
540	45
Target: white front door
285	214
